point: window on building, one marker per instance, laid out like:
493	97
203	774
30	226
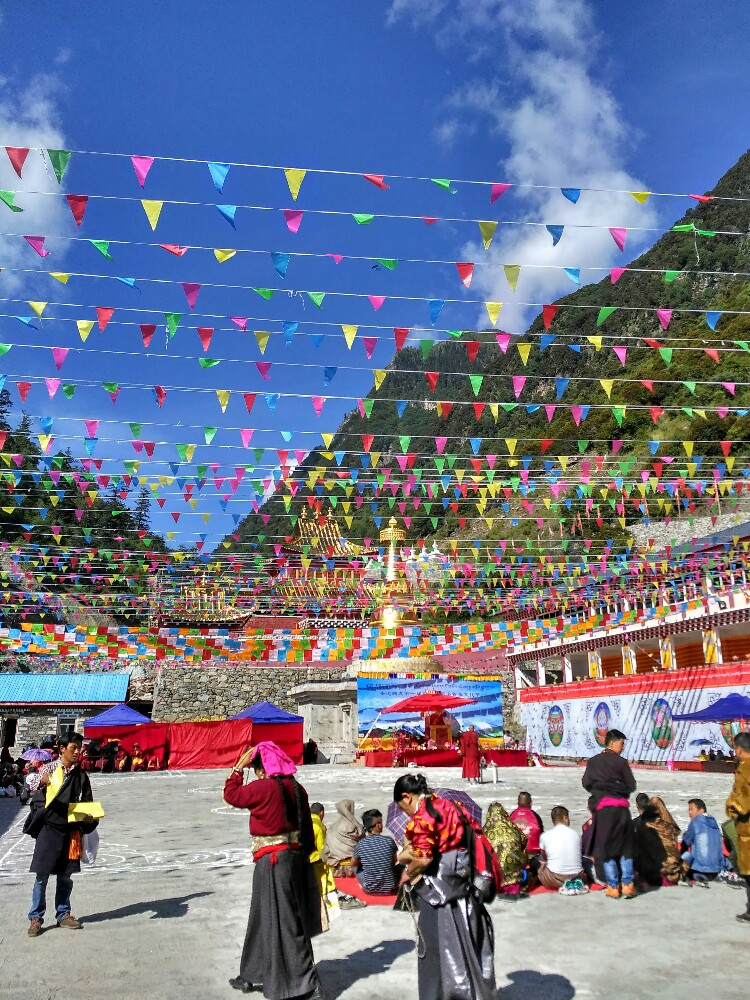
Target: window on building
8	734
66	726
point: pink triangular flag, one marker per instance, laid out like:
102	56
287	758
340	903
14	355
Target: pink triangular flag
338	257
665	317
549	409
440	443
317	402
293	218
721	411
616	445
730	387
264	368
503	339
37	242
191	292
519	381
370	343
496	191
142	165
622	353
575	412
240	321
246	434
59	354
618	235
376	301
615	273
91	427
53	384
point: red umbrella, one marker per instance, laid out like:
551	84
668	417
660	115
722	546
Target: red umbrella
428	701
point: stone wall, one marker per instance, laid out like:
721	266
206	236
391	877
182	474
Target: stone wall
183	693
37	724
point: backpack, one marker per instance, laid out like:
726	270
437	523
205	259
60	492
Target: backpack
486	873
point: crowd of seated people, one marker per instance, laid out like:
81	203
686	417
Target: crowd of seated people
110	757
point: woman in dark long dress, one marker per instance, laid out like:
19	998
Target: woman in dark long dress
285	907
456	938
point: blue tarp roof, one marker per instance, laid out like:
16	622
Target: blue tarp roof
266	711
733	706
118	715
64	689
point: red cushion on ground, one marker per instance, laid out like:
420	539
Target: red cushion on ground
352	888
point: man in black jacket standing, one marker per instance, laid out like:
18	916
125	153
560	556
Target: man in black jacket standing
610	782
58	842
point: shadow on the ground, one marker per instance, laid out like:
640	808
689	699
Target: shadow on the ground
9	810
160	909
337	975
526	984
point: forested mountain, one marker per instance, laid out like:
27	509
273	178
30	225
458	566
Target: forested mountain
693	269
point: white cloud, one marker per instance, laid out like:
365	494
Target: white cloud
29	118
559	125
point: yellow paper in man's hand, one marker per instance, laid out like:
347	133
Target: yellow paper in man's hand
77	811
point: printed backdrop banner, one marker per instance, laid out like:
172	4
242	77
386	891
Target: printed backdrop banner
377	691
572	721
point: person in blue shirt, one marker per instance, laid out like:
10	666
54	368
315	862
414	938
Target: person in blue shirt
702	844
375	856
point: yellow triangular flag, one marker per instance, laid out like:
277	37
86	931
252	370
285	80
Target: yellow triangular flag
512	271
152	210
327	439
85	326
510	444
730	462
44	441
38	307
487	229
640	196
495	410
350	332
596	341
206	518
524	350
262	337
563	460
606	384
294	178
375	458
189	452
222	255
60	276
688	446
379	375
223	397
493	311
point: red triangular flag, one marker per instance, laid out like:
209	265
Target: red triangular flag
478	410
648	383
546	442
472	346
147	332
465	273
77	204
548	314
161	394
174	248
401	333
378	180
104	314
205	333
432	378
17	156
23	389
249	398
725	446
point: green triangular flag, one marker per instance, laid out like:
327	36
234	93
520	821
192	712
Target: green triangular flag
182	451
666	354
690	386
582	445
368	405
456	334
388	262
258	453
110	386
618	412
426	346
317	298
8	197
209	433
404	441
604	313
670	276
173	321
135	430
69	391
508	406
444	183
362	219
743	344
103	247
4	348
706	232
265	293
209	362
688	410
476	383
59	158
684	228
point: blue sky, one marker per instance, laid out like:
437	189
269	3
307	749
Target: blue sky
554	92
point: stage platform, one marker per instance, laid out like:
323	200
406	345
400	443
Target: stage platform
442	758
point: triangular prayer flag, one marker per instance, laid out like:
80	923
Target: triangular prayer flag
476	383
376	301
712	318
317	298
59	354
218	173
619	234
435	307
173	321
294	177
281	263
574	273
615	273
640	196
524	350
191	292
205	333
262	337
147	332
153	211
142	165
209	362
487	231
379	375
622	353
400	333
604	313
9	198
465	273
37	243
493	311
38	307
548	314
223	396
378	180
17	156
293	219
432	378
606	384
103	247
264	368
59	158
556	233
223	255
350	332
496	191
85	326
519	381
664	316
60	276
104	314
228	212
442	182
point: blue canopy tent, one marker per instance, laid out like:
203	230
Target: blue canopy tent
269	722
118	715
732	708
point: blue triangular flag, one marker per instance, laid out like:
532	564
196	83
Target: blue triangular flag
272	399
545	340
476	444
556	233
287	435
329	374
712	318
289	331
436	307
130	282
317	339
561	384
46	423
90	445
27	321
400	407
572	194
229	212
574	273
654	446
219	173
281	263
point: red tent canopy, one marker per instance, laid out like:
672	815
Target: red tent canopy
428	701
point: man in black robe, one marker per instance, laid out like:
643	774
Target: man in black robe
58	842
610	782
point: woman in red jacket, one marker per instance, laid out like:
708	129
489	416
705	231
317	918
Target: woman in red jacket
285	906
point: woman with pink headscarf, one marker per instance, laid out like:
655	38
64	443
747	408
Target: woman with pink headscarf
285	906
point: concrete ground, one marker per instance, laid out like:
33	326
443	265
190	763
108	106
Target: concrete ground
165	906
